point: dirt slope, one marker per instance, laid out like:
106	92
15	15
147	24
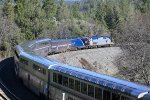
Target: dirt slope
100	60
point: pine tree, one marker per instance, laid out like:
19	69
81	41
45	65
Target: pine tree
8	10
75	11
50	8
62	11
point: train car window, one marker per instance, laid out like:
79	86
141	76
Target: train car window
125	98
91	90
65	81
36	67
59	79
83	88
115	96
54	43
39	69
54	77
44	71
98	93
77	85
43	43
71	83
33	47
70	98
106	95
23	61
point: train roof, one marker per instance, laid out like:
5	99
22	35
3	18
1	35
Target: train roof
30	43
37	58
61	40
102	80
26	45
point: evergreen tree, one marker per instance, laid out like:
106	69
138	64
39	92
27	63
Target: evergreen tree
143	5
8	10
33	17
75	11
111	18
10	33
50	8
62	11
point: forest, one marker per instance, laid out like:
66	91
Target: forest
127	21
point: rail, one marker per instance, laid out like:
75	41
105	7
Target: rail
10	94
6	90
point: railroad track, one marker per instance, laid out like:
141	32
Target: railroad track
10	87
8	92
4	91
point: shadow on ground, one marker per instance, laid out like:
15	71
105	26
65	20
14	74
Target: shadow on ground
9	79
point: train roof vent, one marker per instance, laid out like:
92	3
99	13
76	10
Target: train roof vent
142	94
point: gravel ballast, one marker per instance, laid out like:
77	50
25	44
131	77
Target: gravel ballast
101	60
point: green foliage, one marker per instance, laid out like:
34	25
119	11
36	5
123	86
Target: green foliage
75	11
33	18
111	18
143	5
8	10
78	28
50	8
63	12
107	15
58	19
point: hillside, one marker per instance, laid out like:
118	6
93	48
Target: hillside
101	60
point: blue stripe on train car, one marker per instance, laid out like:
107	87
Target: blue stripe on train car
77	43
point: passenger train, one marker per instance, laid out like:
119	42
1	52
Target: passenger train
52	80
48	46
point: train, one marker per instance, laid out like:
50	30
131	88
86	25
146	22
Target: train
52	80
47	46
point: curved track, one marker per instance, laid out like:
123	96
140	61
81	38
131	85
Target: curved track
11	85
10	94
